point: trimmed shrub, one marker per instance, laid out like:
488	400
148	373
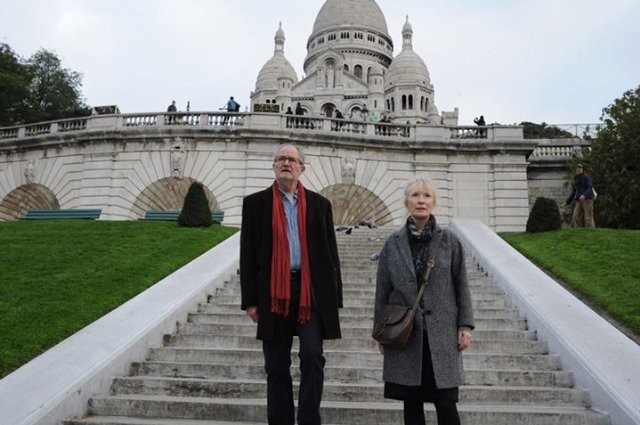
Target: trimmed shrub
544	216
195	210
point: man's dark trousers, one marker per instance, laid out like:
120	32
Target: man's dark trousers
277	356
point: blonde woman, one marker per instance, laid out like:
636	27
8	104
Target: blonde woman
429	367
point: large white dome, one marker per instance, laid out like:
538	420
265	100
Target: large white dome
350	13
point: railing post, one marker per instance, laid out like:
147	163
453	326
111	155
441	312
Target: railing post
370	129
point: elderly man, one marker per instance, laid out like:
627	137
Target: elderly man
291	284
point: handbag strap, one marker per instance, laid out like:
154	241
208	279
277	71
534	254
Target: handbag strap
427	272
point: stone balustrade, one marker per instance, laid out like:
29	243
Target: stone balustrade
555	148
220	120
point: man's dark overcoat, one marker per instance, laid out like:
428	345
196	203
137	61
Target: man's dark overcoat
255	261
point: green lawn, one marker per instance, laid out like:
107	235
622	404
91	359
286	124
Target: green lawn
603	265
56	277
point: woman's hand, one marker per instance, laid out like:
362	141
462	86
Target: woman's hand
464	339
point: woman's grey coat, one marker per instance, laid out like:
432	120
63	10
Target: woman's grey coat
446	306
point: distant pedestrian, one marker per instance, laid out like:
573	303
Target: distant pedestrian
172	109
482	124
582	196
230	106
289	120
188	106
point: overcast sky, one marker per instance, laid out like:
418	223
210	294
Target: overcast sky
557	61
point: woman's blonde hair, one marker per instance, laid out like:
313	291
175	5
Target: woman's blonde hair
423	182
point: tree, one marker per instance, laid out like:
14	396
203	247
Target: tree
544	216
543	131
195	210
16	103
614	161
38	89
56	90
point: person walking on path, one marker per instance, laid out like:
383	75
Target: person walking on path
291	284
582	196
429	367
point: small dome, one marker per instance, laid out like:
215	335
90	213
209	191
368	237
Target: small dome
277	67
407	67
352	13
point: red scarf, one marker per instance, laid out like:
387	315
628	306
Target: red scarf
280	261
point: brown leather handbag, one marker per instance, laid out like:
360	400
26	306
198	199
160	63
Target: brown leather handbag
396	321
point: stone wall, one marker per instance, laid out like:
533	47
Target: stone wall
126	170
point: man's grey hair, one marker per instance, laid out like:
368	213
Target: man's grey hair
300	153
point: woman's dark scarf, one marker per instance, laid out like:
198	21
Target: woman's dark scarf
280	261
419	242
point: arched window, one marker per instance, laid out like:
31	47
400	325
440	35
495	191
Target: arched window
422	108
410	101
328	109
357	71
346	67
404	101
388	105
393	104
375	104
268	101
368	73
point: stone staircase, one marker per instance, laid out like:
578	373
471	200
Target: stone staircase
211	371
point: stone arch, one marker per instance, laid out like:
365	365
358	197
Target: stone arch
27	196
352	203
167	194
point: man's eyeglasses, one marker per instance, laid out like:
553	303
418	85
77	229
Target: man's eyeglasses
283	159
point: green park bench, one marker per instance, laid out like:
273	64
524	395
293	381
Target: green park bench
59	214
172	215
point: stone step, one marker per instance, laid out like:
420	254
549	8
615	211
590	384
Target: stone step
352	359
366	287
339	412
350	374
127	420
349	321
352	344
249	330
253	388
364	311
233	314
349	302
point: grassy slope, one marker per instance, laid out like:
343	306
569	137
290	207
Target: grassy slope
602	264
58	276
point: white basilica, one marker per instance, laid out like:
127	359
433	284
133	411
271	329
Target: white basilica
350	68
